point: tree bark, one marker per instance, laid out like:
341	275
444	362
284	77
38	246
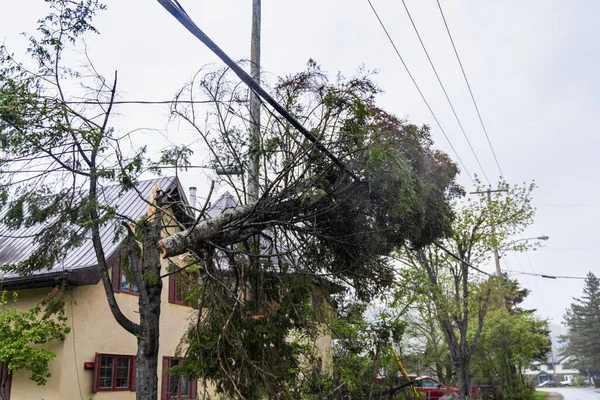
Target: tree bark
149	306
147	354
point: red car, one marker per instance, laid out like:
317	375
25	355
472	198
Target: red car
431	387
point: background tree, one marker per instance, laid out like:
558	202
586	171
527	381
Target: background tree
23	334
312	219
510	341
459	293
582	320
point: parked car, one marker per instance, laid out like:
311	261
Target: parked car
433	389
566	382
549	383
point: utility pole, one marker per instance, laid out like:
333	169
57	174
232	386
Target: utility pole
493	225
254	165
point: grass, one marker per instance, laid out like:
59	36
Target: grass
539	395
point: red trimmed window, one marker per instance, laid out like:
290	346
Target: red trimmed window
114	372
120	282
175	386
180	285
5	381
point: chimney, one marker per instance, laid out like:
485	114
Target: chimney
193	199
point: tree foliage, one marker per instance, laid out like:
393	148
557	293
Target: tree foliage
23	334
582	320
459	294
331	225
510	341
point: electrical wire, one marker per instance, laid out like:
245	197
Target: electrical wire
569	249
143	102
470	91
551	276
540	298
420	92
451	254
567	205
445	92
175	9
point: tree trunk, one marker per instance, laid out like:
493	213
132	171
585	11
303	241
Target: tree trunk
463	377
147	354
150	288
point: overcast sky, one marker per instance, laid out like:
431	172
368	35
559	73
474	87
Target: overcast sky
532	66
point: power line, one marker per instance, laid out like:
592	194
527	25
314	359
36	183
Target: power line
444	90
26	171
145	102
451	254
551	276
568	248
175	9
567	205
535	293
470	91
419	90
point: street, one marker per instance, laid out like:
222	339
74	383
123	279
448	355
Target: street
576	393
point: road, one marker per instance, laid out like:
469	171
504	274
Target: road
576	393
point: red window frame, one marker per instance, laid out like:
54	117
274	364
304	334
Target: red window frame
5	380
117	279
130	373
174	286
166	382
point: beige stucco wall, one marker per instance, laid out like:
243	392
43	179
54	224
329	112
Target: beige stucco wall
94	330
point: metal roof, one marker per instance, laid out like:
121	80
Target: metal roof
16	245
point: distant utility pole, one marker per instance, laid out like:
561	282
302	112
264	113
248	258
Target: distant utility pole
254	166
495	248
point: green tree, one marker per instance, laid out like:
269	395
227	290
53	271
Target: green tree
582	320
459	293
510	341
23	334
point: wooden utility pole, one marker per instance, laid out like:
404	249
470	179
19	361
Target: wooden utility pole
493	225
254	165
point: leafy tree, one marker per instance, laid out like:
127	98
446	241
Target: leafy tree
582	320
459	293
23	334
510	341
312	220
424	349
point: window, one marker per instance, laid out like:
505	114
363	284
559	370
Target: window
5	381
114	372
174	386
429	383
127	287
180	286
120	282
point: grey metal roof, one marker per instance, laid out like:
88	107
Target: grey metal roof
16	245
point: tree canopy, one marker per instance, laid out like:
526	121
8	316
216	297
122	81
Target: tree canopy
582	320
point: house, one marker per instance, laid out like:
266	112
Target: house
97	358
540	372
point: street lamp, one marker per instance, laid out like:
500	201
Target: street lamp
544	238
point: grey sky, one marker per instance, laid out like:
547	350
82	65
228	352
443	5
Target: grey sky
532	66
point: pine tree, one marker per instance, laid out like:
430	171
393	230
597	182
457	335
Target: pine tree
583	322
